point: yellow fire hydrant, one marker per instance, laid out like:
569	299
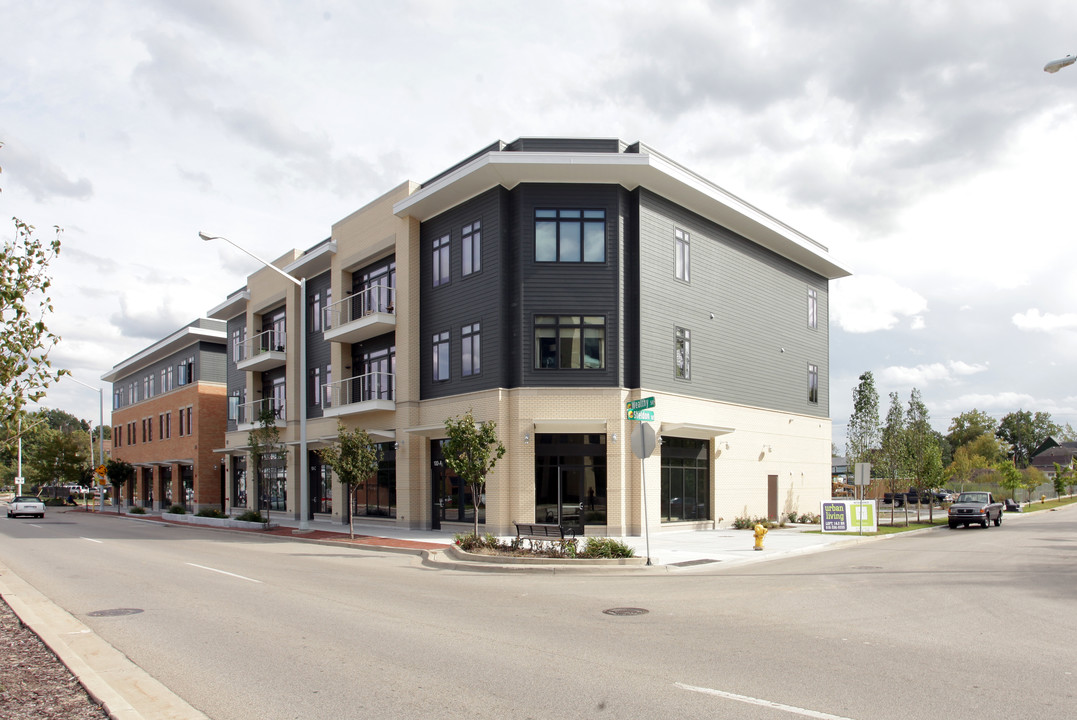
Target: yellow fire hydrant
1043	499
760	531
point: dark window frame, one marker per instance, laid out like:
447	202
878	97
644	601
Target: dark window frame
561	219
578	358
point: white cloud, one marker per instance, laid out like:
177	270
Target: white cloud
868	303
1034	320
922	375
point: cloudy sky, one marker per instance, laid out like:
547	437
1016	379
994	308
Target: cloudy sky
920	141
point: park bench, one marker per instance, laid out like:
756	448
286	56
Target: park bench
542	532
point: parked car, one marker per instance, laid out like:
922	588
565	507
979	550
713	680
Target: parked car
30	505
975	507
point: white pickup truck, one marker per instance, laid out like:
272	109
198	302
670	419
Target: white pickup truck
26	505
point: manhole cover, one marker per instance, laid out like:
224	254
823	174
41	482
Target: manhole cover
114	612
690	563
626	611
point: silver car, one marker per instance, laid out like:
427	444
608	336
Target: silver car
26	505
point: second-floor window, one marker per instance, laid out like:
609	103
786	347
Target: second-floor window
570	342
441	260
813	383
470	350
813	309
682	354
570	236
441	356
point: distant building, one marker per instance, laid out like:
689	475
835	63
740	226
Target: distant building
168	415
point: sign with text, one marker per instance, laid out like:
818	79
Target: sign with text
641	404
848	516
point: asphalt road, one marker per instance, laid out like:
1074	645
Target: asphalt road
966	623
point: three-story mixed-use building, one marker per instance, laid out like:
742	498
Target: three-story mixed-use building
543	284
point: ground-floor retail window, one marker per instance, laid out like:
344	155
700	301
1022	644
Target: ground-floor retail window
377	496
187	483
686	487
239	481
164	482
453	499
146	488
570	479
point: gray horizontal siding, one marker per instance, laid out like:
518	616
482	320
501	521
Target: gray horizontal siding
756	349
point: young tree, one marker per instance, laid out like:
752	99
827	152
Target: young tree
893	455
354	459
863	433
471	452
1062	474
1010	477
25	340
119	473
1032	478
922	447
265	444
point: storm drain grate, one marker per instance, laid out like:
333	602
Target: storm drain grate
626	611
690	563
114	612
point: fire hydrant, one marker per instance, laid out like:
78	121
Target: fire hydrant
1043	499
760	531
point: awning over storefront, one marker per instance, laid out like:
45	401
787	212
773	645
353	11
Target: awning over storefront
693	430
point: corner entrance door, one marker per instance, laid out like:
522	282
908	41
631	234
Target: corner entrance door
570	498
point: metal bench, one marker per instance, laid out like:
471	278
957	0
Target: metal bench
542	532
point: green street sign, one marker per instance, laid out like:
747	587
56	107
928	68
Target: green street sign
641	415
641	404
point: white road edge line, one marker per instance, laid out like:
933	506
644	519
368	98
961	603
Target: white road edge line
99	542
763	703
224	572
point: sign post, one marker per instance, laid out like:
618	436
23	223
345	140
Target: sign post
643	444
861	479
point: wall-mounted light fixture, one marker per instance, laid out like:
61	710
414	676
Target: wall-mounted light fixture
768	448
527	438
614	437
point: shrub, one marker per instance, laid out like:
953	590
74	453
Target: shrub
137	510
809	519
177	510
596	547
211	513
252	516
747	522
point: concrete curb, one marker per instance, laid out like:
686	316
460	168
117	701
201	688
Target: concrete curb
124	690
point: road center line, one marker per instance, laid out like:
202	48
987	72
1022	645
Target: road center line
224	572
99	542
763	703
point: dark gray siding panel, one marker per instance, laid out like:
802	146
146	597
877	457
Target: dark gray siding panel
562	145
212	363
318	350
746	309
237	379
464	300
569	288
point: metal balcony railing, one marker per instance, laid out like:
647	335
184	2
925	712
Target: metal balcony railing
374	299
360	389
263	342
251	413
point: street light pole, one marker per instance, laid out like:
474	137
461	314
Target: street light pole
100	431
304	470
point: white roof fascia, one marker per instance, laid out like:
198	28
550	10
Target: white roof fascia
646	169
236	304
163	348
314	262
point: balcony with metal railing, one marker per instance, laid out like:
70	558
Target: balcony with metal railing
249	415
262	352
359	394
361	316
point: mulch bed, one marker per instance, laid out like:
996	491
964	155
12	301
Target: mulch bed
34	684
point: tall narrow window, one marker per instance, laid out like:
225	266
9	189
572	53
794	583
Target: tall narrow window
681	248
682	354
441	260
471	244
813	383
315	323
470	351
441	356
813	309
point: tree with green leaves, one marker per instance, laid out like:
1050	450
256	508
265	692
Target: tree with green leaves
25	341
265	447
354	458
471	451
1062	474
119	473
59	458
1025	431
1032	478
893	453
922	447
1010	477
970	425
864	431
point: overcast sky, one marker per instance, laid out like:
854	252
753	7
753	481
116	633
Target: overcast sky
920	141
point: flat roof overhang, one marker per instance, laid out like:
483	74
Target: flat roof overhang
647	169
